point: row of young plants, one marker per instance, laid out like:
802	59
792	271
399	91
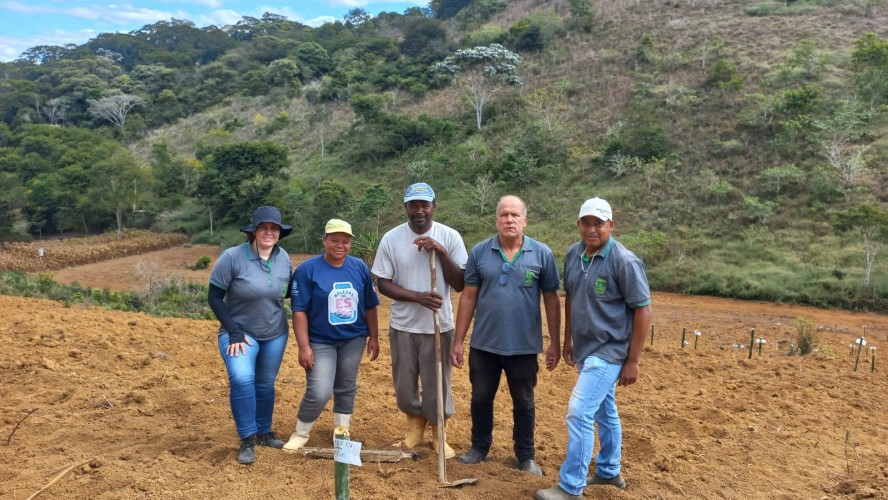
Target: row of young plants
176	298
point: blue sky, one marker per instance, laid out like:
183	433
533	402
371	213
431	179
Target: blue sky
28	23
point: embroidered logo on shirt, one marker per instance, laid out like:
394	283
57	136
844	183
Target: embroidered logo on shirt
600	286
529	276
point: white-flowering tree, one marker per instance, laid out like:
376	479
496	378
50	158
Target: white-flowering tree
115	108
480	72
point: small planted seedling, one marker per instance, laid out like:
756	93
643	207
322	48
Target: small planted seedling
851	354
652	334
873	359
683	342
761	341
696	338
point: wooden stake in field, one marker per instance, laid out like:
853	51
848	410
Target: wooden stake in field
439	372
861	342
341	470
751	342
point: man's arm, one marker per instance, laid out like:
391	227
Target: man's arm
552	304
453	274
394	291
641	323
467	302
568	351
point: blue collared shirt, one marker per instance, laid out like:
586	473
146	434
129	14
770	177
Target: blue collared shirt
508	320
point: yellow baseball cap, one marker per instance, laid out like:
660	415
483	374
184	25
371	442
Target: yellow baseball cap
338	226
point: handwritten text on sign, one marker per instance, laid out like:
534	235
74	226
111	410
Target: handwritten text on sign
347	452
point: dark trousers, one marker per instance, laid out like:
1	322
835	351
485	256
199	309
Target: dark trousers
485	369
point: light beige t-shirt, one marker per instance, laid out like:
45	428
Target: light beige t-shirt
397	259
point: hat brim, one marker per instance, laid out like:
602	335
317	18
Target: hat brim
286	229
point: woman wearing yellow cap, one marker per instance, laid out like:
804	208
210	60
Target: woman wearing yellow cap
334	318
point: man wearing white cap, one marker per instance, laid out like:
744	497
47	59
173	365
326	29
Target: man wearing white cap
402	268
607	311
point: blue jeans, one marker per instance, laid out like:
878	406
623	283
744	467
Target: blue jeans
592	400
251	379
335	373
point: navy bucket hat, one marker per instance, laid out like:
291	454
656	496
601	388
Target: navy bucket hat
267	214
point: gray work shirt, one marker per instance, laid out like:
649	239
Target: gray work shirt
255	290
604	293
507	315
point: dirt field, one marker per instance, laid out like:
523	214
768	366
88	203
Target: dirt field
140	403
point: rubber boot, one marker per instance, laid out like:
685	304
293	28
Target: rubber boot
341	420
415	431
300	437
448	451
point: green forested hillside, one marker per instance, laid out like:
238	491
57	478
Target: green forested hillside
742	144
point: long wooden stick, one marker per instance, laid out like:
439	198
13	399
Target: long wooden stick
58	476
439	369
390	456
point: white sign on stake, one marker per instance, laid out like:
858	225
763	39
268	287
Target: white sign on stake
347	452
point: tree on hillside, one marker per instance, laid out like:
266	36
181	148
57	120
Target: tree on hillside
871	221
236	169
115	108
54	110
480	72
374	203
117	184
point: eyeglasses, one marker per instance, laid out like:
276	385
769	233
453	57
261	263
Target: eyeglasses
505	276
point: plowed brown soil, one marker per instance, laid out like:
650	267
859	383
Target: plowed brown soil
142	403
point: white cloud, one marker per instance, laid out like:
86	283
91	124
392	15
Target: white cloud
25	9
12	47
218	18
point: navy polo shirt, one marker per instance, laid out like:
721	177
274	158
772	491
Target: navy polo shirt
508	320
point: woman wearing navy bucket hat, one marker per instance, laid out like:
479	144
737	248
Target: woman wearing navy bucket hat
248	285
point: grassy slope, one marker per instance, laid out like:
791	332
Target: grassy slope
711	245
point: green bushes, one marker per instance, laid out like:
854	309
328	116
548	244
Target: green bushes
176	298
806	337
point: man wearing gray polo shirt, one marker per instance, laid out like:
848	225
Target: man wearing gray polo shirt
607	310
505	277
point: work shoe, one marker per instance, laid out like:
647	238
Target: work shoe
246	454
270	440
616	481
448	451
530	466
555	493
415	431
472	456
300	437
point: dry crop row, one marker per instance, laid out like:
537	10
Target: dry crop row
61	253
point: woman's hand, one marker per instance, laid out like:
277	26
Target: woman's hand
373	348
238	348
306	357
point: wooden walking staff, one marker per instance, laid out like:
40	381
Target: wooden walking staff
439	375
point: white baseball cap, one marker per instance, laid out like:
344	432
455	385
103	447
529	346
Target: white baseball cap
596	207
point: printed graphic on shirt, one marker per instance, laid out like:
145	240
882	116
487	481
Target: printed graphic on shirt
529	278
342	304
600	285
